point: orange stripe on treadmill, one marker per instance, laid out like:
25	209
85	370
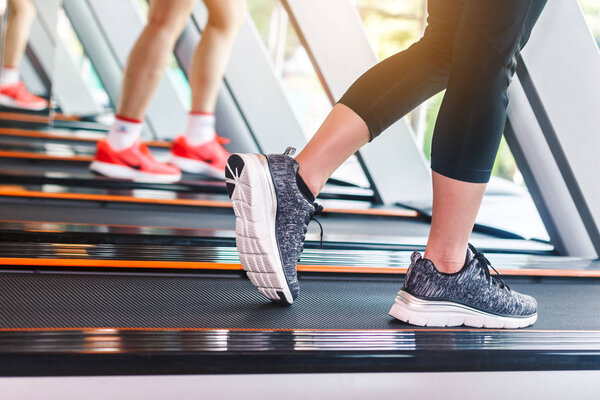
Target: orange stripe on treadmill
111	225
26	133
74	262
65	117
558	273
25	117
66	136
36	134
84	262
43	156
44	230
17	192
37	118
303	330
374	212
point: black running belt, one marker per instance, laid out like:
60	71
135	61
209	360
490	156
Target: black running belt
34	300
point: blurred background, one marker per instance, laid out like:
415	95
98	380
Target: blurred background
390	25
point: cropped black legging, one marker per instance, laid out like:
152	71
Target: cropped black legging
469	48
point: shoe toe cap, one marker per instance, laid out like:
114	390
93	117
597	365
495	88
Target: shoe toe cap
528	305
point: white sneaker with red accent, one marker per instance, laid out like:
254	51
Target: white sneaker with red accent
208	158
16	95
134	163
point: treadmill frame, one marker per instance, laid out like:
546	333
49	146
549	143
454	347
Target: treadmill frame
105	351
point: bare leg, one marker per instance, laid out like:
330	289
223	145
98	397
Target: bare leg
150	55
342	133
210	59
20	17
455	207
455	203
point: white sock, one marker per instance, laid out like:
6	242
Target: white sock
200	128
124	133
9	76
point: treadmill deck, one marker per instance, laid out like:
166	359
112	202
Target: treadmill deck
64	312
226	301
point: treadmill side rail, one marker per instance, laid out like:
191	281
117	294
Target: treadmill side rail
102	351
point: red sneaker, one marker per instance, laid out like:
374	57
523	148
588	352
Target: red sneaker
17	96
208	158
135	163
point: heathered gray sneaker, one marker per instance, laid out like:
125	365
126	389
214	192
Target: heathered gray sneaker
471	297
273	207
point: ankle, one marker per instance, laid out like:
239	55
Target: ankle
446	263
124	132
315	188
9	76
314	185
200	128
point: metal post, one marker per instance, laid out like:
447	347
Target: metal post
560	79
334	38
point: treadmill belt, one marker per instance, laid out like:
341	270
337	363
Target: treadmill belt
34	300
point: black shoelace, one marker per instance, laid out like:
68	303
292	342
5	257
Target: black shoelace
318	210
485	266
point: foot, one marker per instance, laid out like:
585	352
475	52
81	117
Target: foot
17	96
471	297
208	158
272	216
135	163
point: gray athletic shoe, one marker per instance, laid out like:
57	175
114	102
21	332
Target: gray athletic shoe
273	207
471	297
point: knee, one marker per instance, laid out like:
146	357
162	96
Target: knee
163	27
437	48
228	17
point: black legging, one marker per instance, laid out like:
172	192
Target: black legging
469	48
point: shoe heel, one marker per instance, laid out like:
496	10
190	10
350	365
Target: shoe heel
408	309
404	313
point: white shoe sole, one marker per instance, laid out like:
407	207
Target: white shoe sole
415	311
123	172
255	206
196	167
10	102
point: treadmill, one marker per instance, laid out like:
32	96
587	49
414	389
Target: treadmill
53	171
136	310
92	296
